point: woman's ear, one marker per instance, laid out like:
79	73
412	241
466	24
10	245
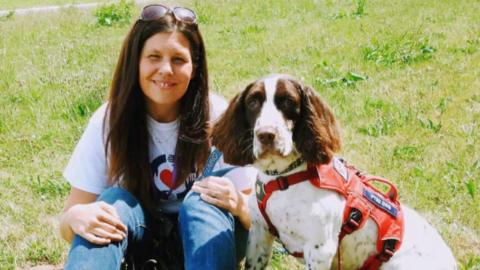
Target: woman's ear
316	134
232	134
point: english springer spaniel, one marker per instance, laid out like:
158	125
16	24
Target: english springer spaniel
284	128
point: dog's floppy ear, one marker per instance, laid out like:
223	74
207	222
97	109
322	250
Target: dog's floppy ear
316	134
232	134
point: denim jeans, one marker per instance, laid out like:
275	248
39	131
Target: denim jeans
211	237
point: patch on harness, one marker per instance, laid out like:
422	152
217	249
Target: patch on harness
340	168
259	190
380	202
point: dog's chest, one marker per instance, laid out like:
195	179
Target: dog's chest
306	215
303	212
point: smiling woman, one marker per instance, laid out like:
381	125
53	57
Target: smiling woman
143	152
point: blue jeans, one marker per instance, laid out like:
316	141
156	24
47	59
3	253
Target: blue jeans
211	237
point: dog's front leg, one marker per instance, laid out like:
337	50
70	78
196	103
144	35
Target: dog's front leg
319	255
259	246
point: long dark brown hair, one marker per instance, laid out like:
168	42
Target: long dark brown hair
127	142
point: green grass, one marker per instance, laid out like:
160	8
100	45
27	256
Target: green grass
13	4
401	76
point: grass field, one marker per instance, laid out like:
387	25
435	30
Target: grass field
402	77
9	4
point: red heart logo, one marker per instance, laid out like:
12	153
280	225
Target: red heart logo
166	178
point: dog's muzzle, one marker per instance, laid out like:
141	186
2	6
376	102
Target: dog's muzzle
267	136
269	140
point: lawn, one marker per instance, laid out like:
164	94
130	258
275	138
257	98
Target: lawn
10	5
402	77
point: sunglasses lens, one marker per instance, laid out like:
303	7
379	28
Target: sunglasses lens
185	14
153	12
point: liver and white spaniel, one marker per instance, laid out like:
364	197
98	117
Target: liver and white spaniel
283	127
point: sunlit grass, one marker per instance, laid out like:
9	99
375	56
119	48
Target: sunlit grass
12	4
401	76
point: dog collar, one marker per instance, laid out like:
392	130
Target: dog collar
290	167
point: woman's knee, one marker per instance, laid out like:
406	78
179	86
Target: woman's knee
194	207
114	194
127	206
119	198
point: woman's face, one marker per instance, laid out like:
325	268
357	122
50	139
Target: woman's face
165	71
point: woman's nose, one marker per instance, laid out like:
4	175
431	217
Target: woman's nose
165	67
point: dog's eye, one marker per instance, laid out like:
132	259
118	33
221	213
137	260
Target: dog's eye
253	103
287	103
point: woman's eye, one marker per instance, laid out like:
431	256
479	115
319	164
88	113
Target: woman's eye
153	57
179	60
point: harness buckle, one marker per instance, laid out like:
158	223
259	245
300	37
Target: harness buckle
388	250
353	221
282	183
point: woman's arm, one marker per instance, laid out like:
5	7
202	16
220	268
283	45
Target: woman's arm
97	222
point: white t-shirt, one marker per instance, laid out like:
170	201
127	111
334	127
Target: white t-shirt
87	168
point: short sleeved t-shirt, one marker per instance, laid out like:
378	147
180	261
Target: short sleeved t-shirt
87	167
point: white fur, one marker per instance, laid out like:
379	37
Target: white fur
309	219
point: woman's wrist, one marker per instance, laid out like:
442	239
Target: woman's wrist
243	213
65	229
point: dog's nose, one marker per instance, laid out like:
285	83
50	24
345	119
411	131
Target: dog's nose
266	135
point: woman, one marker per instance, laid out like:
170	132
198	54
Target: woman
142	151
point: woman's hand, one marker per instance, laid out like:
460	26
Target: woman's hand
97	222
221	192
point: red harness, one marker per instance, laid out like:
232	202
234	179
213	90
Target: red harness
363	200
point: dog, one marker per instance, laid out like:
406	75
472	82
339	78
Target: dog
283	128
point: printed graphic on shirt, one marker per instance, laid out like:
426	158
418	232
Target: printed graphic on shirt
163	176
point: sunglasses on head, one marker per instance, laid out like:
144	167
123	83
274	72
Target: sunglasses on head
157	11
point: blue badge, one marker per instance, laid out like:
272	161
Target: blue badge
380	202
211	161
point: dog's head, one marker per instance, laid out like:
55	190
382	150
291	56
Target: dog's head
276	115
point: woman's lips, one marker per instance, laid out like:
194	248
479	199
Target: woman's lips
163	84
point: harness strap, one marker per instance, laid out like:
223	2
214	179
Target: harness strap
369	202
388	246
284	182
376	260
281	183
262	205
